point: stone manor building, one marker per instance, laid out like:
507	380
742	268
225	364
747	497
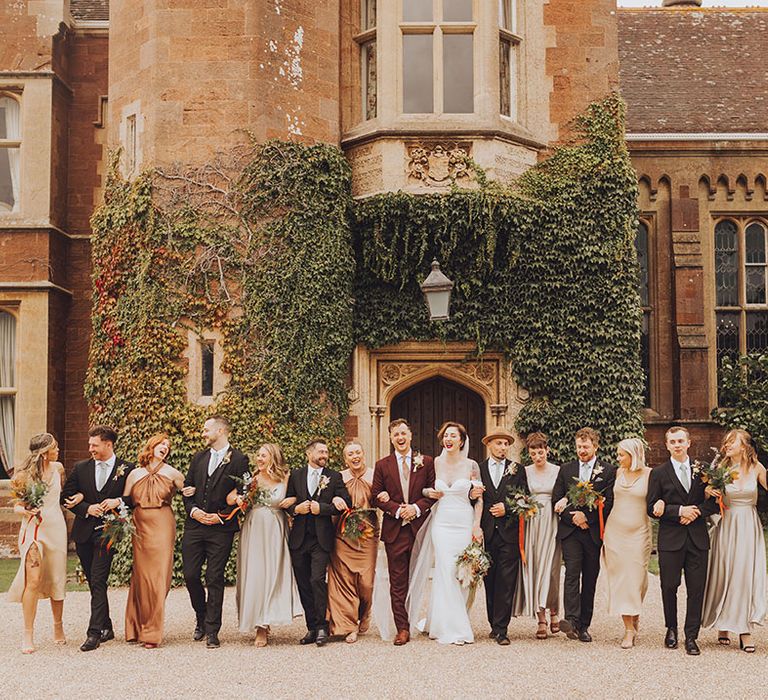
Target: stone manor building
403	87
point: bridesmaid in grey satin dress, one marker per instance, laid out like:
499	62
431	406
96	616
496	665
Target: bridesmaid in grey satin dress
266	589
735	597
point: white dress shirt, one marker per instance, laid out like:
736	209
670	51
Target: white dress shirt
216	458
313	479
103	470
405	481
585	469
496	468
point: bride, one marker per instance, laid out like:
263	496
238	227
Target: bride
453	524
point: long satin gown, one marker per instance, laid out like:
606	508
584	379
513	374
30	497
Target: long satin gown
352	570
735	597
51	539
538	586
153	546
266	589
627	545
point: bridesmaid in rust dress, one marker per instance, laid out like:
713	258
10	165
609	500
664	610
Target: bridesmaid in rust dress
353	564
151	487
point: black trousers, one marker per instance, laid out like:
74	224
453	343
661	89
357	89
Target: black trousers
96	562
501	581
310	565
693	561
582	567
209	545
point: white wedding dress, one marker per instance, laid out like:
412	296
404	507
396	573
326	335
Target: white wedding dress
442	539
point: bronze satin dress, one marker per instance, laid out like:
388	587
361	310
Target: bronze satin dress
352	570
152	558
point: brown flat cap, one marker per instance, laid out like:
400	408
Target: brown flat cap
499	433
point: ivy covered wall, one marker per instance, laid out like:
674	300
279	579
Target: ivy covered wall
267	246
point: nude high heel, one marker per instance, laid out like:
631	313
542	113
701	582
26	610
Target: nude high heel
27	644
629	639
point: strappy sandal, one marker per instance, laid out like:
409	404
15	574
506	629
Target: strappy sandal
723	639
554	624
541	632
749	648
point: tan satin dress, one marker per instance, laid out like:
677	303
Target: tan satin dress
352	570
152	558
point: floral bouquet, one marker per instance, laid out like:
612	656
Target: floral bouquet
356	526
30	493
716	475
522	506
253	496
117	524
582	494
471	566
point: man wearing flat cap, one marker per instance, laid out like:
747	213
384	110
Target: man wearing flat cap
500	530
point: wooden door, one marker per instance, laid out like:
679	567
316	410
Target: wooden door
427	405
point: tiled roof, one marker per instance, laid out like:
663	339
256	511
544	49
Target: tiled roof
694	71
89	10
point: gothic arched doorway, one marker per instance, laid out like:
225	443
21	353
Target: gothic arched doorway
428	404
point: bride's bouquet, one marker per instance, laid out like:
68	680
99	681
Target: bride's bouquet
471	566
582	494
253	495
29	493
522	506
117	524
716	475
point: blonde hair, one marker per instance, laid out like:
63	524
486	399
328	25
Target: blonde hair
635	448
750	453
276	468
32	466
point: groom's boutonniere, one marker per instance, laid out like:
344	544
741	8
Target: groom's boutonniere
324	481
418	461
119	473
226	459
511	469
596	472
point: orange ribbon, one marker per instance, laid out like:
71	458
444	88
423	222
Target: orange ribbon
37	527
722	505
228	516
600	516
521	538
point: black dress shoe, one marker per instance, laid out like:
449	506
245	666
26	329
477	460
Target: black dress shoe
571	631
212	641
670	639
502	640
691	648
309	637
493	635
106	635
321	638
92	642
199	633
585	636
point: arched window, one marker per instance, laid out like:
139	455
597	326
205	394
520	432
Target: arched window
7	390
740	287
10	153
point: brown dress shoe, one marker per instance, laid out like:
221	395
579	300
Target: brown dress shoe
401	638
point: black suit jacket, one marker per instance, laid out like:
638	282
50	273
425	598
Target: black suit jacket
665	485
324	529
82	479
214	500
603	483
505	526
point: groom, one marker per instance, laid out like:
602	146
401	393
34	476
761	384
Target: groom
500	531
101	480
402	476
579	533
208	531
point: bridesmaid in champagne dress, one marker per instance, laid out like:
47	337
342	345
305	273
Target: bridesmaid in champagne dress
735	597
42	542
538	586
353	564
266	589
150	488
627	541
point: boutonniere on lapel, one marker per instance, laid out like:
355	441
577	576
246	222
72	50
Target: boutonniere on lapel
324	481
596	472
119	473
511	469
227	457
418	461
696	469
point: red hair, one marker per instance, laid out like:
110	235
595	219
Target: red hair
147	452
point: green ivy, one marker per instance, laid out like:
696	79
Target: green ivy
269	248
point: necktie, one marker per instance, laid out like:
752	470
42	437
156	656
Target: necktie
684	480
213	463
314	478
404	468
584	471
496	476
101	475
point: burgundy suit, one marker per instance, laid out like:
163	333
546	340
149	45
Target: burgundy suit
398	538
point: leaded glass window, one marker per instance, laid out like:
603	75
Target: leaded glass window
642	245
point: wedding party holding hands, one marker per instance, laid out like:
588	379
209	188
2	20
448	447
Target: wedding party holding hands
309	537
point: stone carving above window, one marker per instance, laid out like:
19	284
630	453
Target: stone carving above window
439	163
484	373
